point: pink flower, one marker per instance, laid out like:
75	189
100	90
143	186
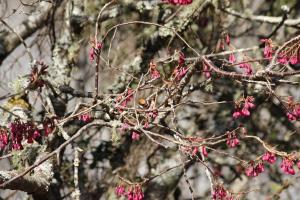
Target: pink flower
135	193
227	39
86	117
244	111
195	151
180	72
298	164
120	190
249	103
30	139
268	51
206	71
92	54
236	114
95	50
247	67
22	131
99	45
259	168
180	2
135	135
124	99
3	139
18	130
146	125
287	166
219	193
294	114
291	117
221	46
232	141
269	157
250	172
48	126
232	58
293	60
181	59
154	73
153	114
282	59
36	134
124	126
253	171
297	111
204	151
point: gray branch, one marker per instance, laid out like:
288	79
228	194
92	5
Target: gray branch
8	41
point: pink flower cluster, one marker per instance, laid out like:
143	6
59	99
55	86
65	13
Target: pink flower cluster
284	59
294	114
294	59
124	99
294	110
269	157
95	50
181	59
86	117
227	39
232	58
195	151
152	114
287	166
206	71
48	126
180	70
22	130
253	171
243	111
180	2
154	73
204	151
247	66
219	193
134	193
232	140
124	126
120	190
3	138
135	135
268	50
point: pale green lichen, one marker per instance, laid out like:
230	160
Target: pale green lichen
18	85
113	12
27	156
144	5
165	31
5	175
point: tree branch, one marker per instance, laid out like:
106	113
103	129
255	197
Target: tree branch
8	41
